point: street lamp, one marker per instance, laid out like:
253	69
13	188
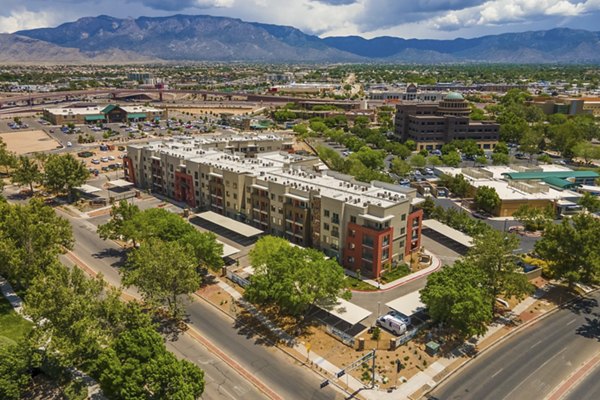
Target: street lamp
378	307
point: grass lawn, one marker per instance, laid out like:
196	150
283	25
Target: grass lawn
12	326
357	284
397	273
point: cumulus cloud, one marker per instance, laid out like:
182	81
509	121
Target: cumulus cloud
498	12
407	18
24	19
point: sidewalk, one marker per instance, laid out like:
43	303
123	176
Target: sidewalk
15	301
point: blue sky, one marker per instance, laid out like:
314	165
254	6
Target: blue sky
437	19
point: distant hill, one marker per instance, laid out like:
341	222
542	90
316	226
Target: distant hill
561	45
21	49
196	38
207	38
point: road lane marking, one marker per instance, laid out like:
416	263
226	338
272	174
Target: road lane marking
535	344
571	321
526	379
497	372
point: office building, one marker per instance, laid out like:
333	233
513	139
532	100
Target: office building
431	125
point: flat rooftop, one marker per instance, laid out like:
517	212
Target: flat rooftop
230	224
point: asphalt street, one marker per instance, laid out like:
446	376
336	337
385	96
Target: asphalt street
587	389
270	365
530	364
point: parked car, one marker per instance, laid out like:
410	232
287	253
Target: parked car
111	158
95	161
69	144
104	159
428	171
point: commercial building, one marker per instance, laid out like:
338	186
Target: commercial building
568	105
109	113
410	93
540	187
365	226
431	125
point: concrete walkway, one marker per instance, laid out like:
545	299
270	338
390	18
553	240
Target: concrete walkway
13	298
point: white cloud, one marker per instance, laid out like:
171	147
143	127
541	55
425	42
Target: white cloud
497	12
25	19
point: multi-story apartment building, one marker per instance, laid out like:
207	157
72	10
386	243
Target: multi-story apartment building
365	226
431	125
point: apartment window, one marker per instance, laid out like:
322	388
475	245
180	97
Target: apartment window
280	199
351	246
353	219
386	253
402	231
326	227
228	204
326	213
235	195
196	175
350	260
272	196
403	217
335	218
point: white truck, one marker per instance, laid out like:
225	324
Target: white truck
392	324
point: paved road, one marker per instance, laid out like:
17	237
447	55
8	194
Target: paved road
269	365
375	301
587	389
530	364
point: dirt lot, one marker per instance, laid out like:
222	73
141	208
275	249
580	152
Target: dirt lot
22	142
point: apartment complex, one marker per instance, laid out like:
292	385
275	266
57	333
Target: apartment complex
431	125
365	226
109	113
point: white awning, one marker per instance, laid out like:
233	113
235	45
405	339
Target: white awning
296	197
228	250
408	304
120	183
230	224
448	232
349	312
376	218
88	189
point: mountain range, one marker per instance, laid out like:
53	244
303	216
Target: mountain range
206	38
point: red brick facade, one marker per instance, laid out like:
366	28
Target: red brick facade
129	170
413	235
184	188
367	249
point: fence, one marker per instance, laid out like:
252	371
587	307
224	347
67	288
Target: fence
243	282
406	337
343	336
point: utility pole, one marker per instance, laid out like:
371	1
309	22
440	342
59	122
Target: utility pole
373	372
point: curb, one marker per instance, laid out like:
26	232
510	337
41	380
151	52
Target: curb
505	338
195	334
572	380
401	283
283	349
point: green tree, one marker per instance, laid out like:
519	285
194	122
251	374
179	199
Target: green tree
456	298
487	199
372	159
119	225
14	371
301	129
7	158
493	255
587	151
417	161
572	249
293	278
400	167
531	141
62	173
138	366
66	307
163	272
31	237
590	202
207	250
533	218
452	159
501	147
500	159
26	172
481	160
